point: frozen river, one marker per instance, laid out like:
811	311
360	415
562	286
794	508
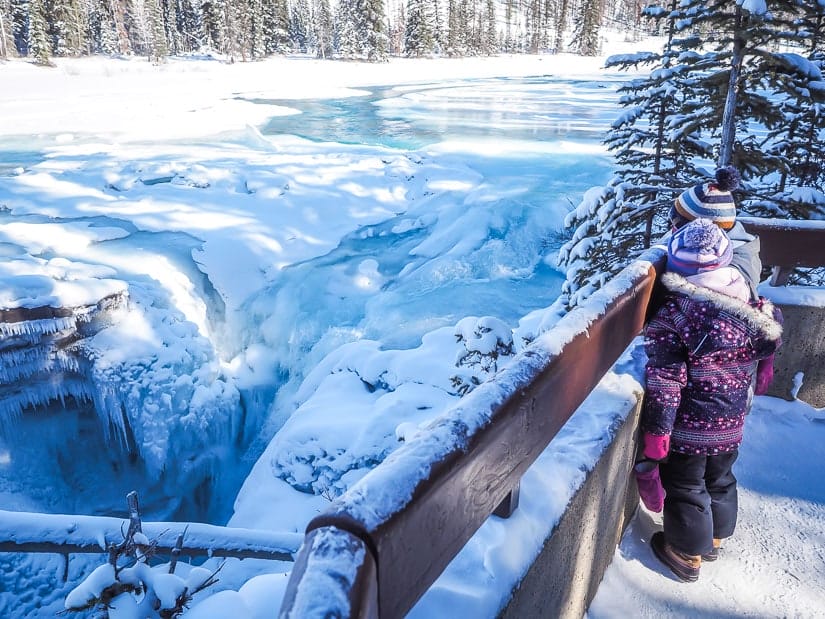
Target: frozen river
254	257
513	154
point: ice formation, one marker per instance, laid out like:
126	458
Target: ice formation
72	334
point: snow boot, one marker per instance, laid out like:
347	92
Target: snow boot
713	554
685	566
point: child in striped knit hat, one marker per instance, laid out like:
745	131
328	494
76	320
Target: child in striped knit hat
702	346
714	201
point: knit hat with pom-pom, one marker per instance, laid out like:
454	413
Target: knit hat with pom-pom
697	247
712	201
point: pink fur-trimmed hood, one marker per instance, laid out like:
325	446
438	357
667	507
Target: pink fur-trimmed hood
760	318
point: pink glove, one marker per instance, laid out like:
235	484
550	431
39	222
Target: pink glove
650	485
655	446
764	375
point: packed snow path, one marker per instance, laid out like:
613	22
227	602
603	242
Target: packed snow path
774	565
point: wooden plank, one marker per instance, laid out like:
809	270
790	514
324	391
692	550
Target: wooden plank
416	541
788	243
61	533
334	576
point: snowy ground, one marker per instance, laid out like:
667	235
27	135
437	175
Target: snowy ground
774	565
341	292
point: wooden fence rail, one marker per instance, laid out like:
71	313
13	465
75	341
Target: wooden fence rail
400	525
67	534
449	481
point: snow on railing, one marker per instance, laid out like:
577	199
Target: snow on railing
416	510
400	525
787	244
65	534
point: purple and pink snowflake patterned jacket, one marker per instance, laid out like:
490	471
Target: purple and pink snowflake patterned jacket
702	348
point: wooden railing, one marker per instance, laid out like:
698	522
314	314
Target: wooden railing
69	534
377	549
787	244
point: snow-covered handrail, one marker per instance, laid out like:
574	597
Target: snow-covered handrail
418	508
381	545
788	243
67	534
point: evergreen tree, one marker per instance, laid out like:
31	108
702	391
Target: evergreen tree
346	30
6	32
214	24
561	24
438	27
361	33
188	27
323	29
510	25
418	34
489	38
397	30
371	26
251	24
104	30
795	146
67	26
586	40
39	46
171	34
158	49
458	26
718	85
235	44
138	27
300	26
19	19
534	25
275	26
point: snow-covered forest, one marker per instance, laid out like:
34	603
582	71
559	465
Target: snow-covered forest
243	30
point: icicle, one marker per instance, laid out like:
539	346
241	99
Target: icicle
15	399
20	364
42	326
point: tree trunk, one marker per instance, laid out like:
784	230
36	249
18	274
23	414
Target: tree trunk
119	17
729	114
561	20
3	52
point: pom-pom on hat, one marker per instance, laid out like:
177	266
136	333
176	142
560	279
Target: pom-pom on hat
697	247
712	201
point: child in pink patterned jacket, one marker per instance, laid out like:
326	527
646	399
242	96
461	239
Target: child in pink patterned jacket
702	344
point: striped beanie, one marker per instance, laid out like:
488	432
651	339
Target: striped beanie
712	201
699	246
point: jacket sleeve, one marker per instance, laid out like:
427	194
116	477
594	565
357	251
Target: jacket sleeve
665	374
746	257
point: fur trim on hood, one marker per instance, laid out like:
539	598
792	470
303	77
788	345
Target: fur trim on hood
759	318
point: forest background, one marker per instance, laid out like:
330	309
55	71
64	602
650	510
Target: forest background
349	29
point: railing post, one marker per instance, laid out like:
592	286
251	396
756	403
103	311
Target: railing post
509	505
335	575
780	276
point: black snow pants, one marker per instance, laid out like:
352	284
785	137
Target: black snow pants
700	501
